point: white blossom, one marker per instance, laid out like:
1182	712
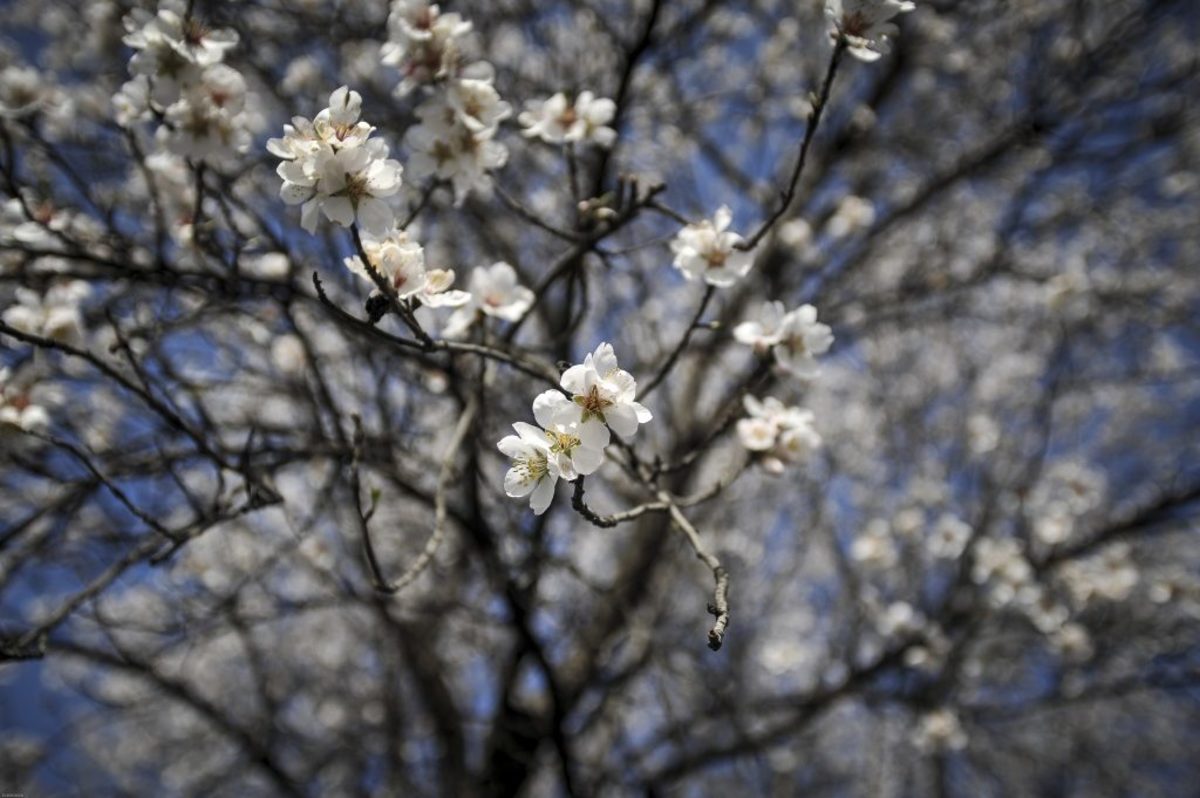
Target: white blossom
875	548
179	79
476	104
401	261
556	120
852	214
1001	565
576	447
940	730
495	292
763	331
455	153
171	47
331	166
864	25
709	252
22	91
801	339
604	393
530	474
423	43
17	409
777	434
55	315
208	119
949	539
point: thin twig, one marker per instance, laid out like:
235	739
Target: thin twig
719	608
113	488
542	371
609	521
520	210
439	512
669	363
364	515
814	119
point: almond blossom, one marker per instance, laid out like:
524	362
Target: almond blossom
423	43
764	331
801	339
794	336
54	315
208	120
456	138
16	407
331	166
530	474
456	154
180	82
353	183
557	121
495	292
577	447
401	261
709	252
940	730
777	434
563	449
604	393
23	90
863	24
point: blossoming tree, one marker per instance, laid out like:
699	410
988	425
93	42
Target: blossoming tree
606	398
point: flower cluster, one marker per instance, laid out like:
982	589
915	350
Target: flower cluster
54	315
795	336
17	409
423	43
332	165
179	79
939	731
1067	492
709	251
776	433
559	121
455	139
598	396
401	262
22	91
492	291
864	24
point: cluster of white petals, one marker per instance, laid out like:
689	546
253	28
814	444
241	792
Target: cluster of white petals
17	409
940	730
778	434
708	251
401	261
423	43
875	548
949	538
864	24
55	315
493	291
1109	575
1002	566
180	81
455	139
574	429
1067	492
332	166
556	120
22	91
604	393
794	336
